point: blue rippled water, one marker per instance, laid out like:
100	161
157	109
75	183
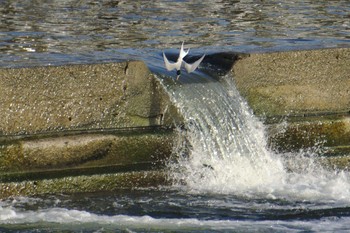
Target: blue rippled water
61	32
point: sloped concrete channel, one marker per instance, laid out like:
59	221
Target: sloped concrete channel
88	128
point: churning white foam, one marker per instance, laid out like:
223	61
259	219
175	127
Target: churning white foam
61	219
228	151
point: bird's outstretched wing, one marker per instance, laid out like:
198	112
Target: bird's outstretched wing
170	66
183	53
191	67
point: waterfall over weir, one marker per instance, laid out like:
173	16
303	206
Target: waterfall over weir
224	150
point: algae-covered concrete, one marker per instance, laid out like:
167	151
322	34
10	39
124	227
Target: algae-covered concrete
84	183
85	150
85	162
295	134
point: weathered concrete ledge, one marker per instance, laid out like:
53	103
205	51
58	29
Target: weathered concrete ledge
68	97
68	127
303	97
295	82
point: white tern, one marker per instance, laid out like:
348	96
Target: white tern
177	65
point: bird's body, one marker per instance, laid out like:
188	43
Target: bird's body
177	65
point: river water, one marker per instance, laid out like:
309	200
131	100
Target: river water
227	178
61	32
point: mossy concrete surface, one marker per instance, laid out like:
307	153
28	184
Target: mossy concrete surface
83	183
310	132
85	150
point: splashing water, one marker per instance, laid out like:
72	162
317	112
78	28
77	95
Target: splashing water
228	153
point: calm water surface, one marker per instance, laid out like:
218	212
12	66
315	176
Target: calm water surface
233	182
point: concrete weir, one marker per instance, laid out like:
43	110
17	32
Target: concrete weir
83	128
102	127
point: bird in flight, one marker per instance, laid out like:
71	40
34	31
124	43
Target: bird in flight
177	65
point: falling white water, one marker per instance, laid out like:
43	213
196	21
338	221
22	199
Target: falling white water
228	152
